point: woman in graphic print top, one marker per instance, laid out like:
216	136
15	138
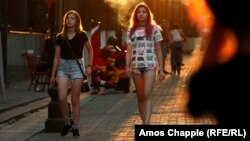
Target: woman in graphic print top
144	56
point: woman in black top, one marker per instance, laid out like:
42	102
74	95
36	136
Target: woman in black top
65	68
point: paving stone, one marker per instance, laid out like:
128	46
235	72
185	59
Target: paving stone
112	117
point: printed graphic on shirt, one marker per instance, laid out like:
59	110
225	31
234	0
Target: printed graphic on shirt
143	48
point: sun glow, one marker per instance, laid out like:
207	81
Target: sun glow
202	17
228	47
122	7
199	13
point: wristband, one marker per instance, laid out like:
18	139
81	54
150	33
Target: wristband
89	65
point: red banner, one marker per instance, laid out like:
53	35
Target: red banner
95	42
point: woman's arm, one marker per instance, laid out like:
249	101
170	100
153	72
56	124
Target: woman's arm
128	59
160	59
182	34
90	57
55	63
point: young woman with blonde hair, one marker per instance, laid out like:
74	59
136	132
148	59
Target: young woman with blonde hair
65	68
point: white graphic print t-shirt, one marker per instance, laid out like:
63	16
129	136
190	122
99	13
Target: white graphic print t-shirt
143	48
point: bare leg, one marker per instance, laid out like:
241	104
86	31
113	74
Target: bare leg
138	82
148	87
63	84
144	86
75	100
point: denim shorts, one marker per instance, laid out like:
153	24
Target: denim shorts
141	71
69	68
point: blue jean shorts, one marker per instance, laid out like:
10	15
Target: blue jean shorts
68	68
141	71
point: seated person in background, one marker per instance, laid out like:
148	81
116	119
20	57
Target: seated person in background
108	73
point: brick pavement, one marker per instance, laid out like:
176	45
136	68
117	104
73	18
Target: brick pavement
23	121
112	117
105	117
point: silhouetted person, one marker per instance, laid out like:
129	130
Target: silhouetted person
176	37
223	88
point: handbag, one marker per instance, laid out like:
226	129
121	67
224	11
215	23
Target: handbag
85	85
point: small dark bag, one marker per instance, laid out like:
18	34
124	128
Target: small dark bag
85	85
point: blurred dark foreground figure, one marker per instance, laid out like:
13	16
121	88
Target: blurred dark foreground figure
223	88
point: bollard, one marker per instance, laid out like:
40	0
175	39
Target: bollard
55	121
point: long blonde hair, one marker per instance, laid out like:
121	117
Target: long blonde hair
78	27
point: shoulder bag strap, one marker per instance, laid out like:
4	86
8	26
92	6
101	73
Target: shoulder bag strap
75	56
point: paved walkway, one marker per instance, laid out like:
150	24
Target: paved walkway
111	117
